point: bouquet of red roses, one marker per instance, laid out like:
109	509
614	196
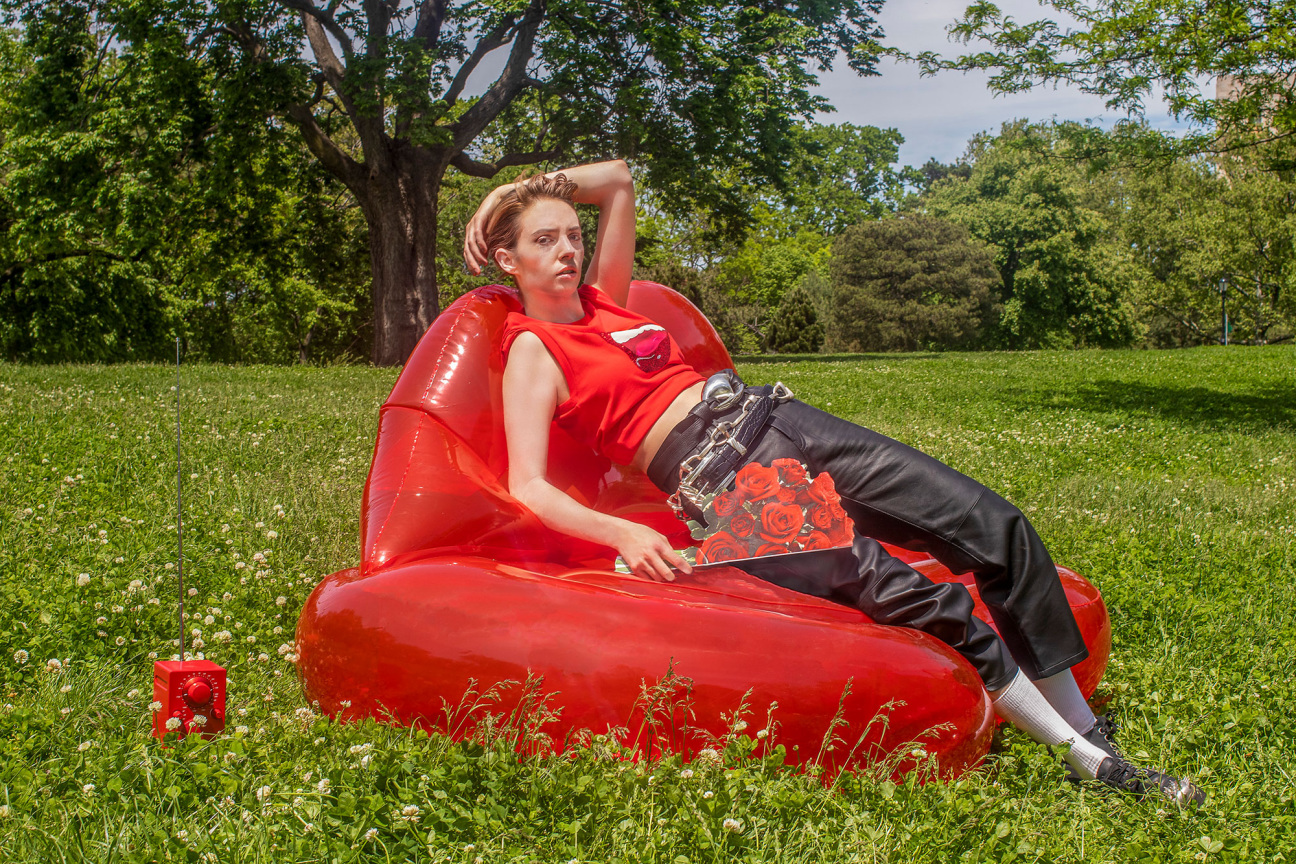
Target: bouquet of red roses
772	511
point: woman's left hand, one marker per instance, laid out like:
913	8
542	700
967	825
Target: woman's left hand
474	248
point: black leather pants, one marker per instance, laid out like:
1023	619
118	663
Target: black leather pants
902	496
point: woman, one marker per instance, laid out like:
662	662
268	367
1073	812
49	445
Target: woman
615	380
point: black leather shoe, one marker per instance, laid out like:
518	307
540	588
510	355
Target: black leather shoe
1120	775
1101	737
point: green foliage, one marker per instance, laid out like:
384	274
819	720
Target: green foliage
911	283
1064	273
795	327
1165	477
1199	228
136	207
1128	51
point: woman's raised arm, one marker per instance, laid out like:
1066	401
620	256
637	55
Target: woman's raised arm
608	186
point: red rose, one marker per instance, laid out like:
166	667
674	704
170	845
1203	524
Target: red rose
721	546
822	489
791	472
780	522
726	504
816	540
755	482
742	524
842	533
786	495
821	517
771	549
835	508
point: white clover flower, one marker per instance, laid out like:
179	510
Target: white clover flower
410	812
120	640
258	557
687	774
357	749
5	812
222	636
83	579
239	565
251	640
195	632
285	648
709	756
225	528
306	715
192	592
101	620
264	793
88	788
323	786
170	565
209	620
365	760
134	694
371	834
226	597
173	723
84	746
277	630
262	657
155	705
152	655
119	560
281	600
469	848
134	586
53	664
272	535
708	794
762	734
740	726
199	720
734	825
240	730
21	657
103	534
345	703
260	525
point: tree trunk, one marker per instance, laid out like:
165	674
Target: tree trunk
400	207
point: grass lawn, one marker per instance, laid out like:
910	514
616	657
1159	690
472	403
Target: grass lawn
1168	478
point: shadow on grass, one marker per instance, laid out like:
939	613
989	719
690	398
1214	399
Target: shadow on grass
1258	408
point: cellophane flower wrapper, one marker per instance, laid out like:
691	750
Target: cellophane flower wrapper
771	510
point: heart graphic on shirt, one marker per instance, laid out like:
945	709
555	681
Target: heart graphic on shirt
648	346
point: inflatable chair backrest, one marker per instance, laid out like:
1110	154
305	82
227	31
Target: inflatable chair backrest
438	482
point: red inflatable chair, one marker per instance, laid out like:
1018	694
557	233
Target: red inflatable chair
460	588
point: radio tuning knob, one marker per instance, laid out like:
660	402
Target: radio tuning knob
198	691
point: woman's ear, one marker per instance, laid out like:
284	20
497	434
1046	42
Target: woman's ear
504	260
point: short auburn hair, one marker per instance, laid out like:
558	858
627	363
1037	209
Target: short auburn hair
503	229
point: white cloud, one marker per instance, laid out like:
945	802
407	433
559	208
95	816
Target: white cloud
937	115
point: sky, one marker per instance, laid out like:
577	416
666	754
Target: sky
938	115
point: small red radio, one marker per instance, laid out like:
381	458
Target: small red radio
188	690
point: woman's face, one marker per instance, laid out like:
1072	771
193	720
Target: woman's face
549	254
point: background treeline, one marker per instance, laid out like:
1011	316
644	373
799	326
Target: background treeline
139	202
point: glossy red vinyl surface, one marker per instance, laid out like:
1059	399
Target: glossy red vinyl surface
404	639
459	583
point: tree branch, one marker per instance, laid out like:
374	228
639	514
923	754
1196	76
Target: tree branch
473	168
512	80
331	156
427	27
324	18
60	256
496	38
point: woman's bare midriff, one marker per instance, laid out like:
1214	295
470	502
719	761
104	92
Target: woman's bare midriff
670	418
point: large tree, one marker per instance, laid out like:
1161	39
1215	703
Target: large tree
380	91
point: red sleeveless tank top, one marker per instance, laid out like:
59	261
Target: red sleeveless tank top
622	370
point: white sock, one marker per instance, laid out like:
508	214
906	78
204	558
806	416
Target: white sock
1024	706
1064	694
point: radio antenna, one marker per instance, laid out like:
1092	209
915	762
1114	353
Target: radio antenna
179	508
